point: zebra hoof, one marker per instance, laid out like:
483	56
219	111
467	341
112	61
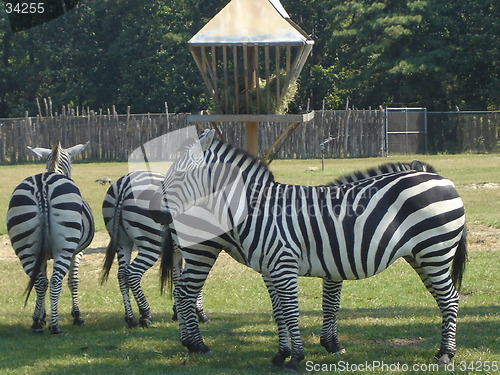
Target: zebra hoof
37	326
340	352
145	322
444	360
292	365
77	321
279	358
54	329
197	348
131	322
332	346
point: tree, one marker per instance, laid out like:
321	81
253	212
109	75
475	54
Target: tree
436	54
413	52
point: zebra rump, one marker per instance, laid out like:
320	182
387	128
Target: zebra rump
47	218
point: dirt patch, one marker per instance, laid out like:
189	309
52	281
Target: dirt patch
483	237
483	185
402	342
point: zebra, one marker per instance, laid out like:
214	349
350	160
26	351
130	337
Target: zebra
47	218
345	232
125	211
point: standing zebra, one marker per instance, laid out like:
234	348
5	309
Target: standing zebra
125	210
48	219
346	232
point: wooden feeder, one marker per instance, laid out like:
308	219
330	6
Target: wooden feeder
250	56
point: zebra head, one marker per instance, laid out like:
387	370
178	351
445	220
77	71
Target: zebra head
182	187
58	158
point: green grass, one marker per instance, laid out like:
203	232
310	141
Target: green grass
380	320
482	205
389	317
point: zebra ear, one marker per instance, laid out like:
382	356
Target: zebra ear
75	150
206	139
42	152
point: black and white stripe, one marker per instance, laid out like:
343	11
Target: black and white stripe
48	219
347	231
126	214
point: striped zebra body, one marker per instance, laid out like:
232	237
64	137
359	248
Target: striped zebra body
125	211
48	219
340	232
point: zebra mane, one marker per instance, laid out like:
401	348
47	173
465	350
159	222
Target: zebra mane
186	144
244	155
383	169
53	161
59	160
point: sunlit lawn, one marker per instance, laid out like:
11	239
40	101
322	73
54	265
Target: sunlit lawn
389	317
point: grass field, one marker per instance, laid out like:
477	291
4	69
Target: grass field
470	173
388	318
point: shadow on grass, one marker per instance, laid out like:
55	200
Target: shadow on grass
241	342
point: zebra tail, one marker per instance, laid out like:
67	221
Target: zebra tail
459	261
167	261
112	248
40	254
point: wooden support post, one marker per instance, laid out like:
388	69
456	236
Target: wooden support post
251	128
252	138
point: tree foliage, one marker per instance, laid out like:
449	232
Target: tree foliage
437	54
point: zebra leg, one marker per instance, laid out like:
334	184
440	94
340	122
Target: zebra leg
447	299
124	254
61	266
134	276
73	280
331	304
422	274
284	347
186	292
439	284
285	281
41	285
177	272
202	316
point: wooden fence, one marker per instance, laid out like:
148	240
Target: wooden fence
355	134
113	137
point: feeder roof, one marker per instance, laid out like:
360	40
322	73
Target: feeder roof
251	22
